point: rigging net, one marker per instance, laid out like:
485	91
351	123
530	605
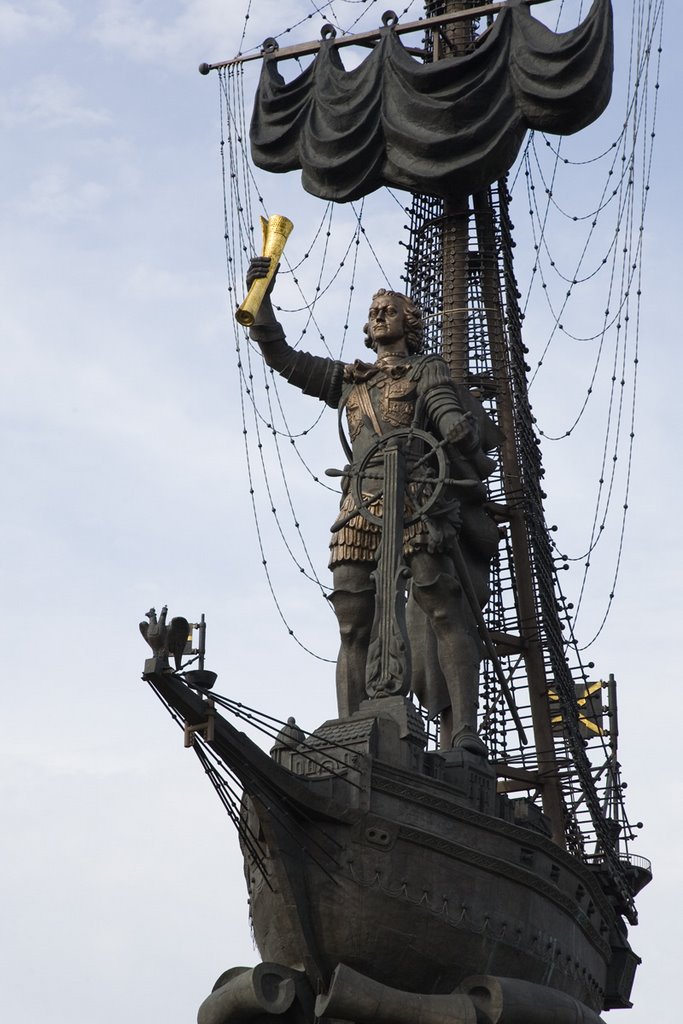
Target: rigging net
493	305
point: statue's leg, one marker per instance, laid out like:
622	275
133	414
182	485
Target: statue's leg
353	599
440	595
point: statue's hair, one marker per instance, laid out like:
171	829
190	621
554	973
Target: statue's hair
413	322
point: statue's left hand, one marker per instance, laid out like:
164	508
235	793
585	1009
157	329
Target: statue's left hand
458	429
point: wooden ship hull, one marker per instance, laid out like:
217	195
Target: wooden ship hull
360	848
435	891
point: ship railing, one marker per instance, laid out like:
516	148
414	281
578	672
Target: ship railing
632	860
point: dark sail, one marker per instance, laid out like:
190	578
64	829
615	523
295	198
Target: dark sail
448	128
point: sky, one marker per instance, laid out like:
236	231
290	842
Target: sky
125	486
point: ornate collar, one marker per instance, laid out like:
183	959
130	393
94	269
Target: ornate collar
395	363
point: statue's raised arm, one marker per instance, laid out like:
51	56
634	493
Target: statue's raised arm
318	376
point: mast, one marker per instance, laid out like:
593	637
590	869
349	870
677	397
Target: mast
521	489
460	270
448	41
476	267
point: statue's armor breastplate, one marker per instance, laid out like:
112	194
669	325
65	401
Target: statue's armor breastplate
397	401
392	401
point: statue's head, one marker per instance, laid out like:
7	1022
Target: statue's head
413	327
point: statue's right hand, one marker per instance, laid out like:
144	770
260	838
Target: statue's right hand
259	267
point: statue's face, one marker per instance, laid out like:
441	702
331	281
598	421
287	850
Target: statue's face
386	320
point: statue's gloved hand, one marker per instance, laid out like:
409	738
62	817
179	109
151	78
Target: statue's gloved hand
461	431
264	316
259	267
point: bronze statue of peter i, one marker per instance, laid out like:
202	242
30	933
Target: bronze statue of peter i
404	388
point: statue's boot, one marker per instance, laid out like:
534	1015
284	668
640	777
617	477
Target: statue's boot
459	651
462	679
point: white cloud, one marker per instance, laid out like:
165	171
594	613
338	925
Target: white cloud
51	101
195	24
58	197
152	282
17	21
124	25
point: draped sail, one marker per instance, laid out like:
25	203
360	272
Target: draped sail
449	128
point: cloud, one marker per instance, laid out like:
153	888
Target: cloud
51	101
124	26
58	197
18	21
151	282
197	24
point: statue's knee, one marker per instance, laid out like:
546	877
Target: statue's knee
352	634
441	614
354	611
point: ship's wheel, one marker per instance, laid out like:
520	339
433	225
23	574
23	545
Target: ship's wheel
427	477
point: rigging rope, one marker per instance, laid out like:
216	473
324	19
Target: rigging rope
262	394
624	189
607	253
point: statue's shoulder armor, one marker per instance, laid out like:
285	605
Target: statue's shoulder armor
431	368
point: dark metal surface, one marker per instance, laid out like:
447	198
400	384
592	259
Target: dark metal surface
404	865
446	128
388	663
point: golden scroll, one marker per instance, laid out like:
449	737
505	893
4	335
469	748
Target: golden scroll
276	231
